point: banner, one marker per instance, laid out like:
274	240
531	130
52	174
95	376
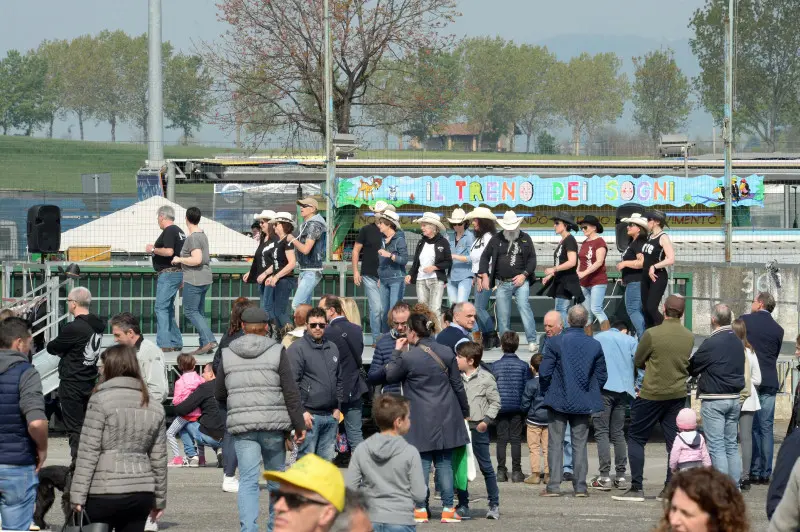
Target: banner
532	190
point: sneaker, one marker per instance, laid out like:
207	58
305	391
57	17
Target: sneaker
533	479
517	476
493	513
194	461
177	461
34	527
744	484
449	515
502	474
662	494
463	513
420	515
567	476
230	484
601	483
150	525
201	461
581	494
545	493
533	347
219	457
621	483
632	495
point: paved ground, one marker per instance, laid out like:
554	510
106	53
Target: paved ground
196	502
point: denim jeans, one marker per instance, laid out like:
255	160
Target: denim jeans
373	293
594	298
383	527
562	306
17	496
193	428
431	293
505	291
321	438
392	291
168	333
229	460
609	427
280	297
579	429
267	300
442	459
251	449
458	291
483	455
633	306
194	302
307	281
721	426
763	437
353	418
484	319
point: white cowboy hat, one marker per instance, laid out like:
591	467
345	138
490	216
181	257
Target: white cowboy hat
431	218
266	214
283	217
510	221
459	216
636	218
381	206
391	217
481	212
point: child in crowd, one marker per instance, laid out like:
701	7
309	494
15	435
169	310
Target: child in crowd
533	404
389	469
689	449
511	375
184	386
484	404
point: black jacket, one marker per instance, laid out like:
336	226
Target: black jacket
349	340
78	345
720	363
497	245
443	260
211	420
787	456
766	337
317	373
223	343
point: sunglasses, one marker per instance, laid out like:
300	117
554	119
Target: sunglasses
262	222
584	228
293	500
316	325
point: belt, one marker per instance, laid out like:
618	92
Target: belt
171	269
505	279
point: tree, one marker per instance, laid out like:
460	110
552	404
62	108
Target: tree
22	82
54	54
591	92
81	73
660	94
538	67
767	63
272	57
186	93
546	144
113	100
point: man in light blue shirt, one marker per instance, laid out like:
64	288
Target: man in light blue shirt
619	349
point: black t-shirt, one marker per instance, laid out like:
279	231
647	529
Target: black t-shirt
510	261
560	257
371	238
279	260
632	275
266	252
653	252
171	237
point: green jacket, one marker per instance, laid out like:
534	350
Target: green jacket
482	396
663	353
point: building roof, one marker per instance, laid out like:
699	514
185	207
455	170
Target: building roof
131	229
452	130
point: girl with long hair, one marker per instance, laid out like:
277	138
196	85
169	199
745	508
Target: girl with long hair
630	267
658	254
750	406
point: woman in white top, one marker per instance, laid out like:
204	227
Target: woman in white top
484	227
432	261
750	406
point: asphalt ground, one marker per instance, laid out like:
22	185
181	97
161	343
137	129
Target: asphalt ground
195	501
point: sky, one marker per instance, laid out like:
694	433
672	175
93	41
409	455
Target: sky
186	23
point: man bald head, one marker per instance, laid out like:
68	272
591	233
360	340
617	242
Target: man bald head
300	314
553	325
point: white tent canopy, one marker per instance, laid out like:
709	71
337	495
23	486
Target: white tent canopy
132	228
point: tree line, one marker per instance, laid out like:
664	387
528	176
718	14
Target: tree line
102	78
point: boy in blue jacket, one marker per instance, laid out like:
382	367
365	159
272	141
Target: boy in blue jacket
536	421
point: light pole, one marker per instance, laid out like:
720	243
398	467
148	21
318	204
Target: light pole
155	115
330	154
727	131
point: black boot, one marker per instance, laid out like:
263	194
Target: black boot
502	474
493	339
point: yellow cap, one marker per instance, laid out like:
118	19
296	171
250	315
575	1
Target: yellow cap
314	474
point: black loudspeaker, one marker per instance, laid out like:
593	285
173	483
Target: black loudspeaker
625	211
44	229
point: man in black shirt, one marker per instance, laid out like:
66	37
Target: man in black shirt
368	242
509	263
170	278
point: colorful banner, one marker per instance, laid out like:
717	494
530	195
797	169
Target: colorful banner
532	190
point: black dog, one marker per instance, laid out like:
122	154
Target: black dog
50	479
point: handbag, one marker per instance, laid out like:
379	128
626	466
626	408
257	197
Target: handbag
83	525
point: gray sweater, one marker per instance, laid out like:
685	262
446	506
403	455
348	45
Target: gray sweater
787	515
390	470
123	445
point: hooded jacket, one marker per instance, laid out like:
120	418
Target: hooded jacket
689	450
390	470
316	370
315	229
78	345
443	258
21	402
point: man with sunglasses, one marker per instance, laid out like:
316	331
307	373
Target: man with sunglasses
399	316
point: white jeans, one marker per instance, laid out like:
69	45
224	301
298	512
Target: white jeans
431	292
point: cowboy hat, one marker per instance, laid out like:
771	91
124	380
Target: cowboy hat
266	214
381	206
568	220
658	216
510	221
459	217
636	219
283	217
591	219
481	212
431	218
390	216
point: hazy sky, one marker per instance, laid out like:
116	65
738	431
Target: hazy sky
25	23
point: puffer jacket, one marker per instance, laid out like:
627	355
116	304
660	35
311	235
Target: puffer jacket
511	374
377	368
123	445
533	403
482	396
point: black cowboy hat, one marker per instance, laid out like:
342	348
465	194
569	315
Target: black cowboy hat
591	219
658	216
568	220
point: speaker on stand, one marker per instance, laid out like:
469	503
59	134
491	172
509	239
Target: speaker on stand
621	229
44	229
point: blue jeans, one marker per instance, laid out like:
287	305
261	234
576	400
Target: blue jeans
280	297
444	471
392	291
383	527
193	428
17	496
721	427
568	449
484	319
594	298
168	333
458	291
505	291
321	438
194	303
352	423
562	306
229	460
307	281
633	306
763	437
267	300
251	449
373	293
480	447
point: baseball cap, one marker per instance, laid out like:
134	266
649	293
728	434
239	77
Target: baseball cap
315	474
254	315
310	202
675	302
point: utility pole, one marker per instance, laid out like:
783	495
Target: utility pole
155	114
330	154
727	131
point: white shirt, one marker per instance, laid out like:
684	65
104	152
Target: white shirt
751	404
477	250
426	258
